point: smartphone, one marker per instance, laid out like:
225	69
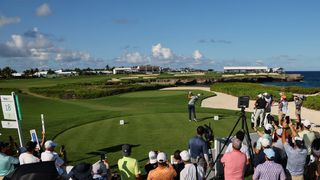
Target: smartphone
103	156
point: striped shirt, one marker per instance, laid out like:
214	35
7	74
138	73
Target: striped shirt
269	170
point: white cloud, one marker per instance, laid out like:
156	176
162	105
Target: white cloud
9	20
160	52
70	56
197	55
43	10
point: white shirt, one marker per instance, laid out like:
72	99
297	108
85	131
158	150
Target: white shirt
27	158
53	156
244	149
189	172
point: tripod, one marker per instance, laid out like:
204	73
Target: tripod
244	128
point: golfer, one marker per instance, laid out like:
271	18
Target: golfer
191	106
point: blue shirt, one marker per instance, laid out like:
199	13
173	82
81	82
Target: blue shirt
7	164
198	147
296	159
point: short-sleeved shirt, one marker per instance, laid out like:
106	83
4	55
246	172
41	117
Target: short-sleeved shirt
269	170
234	165
189	172
308	138
53	156
296	159
261	103
162	173
193	100
7	164
244	149
27	158
128	168
198	147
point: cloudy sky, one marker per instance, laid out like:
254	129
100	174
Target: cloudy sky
207	34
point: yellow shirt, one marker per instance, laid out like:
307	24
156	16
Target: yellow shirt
128	168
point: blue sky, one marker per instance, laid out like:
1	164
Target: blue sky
171	33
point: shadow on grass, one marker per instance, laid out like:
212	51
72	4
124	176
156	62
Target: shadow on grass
221	117
98	152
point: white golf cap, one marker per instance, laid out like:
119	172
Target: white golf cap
268	127
306	123
152	157
265	142
50	144
260	95
161	158
185	156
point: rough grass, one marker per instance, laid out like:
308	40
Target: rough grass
312	102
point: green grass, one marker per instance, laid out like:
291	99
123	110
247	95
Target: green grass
312	102
157	120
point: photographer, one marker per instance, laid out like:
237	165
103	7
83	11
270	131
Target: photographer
191	105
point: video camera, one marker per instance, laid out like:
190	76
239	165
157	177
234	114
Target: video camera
243	101
208	133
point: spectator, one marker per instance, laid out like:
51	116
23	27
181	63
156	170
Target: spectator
278	148
266	135
234	162
128	167
190	171
28	157
178	164
260	105
260	156
269	169
152	162
296	157
81	171
101	170
7	163
50	155
244	148
164	171
313	168
198	149
307	135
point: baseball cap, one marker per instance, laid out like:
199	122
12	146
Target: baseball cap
306	123
265	142
269	153
268	127
298	141
126	149
161	158
283	97
297	138
265	94
279	131
260	95
236	143
152	157
185	156
50	144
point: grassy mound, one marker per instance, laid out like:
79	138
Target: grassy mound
312	102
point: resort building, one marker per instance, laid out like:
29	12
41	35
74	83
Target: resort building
246	69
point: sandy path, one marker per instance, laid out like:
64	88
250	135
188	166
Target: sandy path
225	101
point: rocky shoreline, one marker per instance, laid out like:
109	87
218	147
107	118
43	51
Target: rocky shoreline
231	78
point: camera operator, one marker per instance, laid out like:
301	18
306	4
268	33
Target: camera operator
198	149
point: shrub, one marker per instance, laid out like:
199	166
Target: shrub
312	102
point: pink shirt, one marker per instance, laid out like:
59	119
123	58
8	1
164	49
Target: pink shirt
234	165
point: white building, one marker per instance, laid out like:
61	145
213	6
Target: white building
17	74
41	74
65	73
123	70
246	69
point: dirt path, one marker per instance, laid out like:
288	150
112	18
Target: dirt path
225	101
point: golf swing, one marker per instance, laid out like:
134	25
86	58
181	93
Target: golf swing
191	105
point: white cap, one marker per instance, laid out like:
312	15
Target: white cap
297	138
161	158
199	95
265	142
152	157
279	131
260	95
268	126
185	156
265	94
306	123
49	144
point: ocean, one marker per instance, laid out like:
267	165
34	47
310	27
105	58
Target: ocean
311	79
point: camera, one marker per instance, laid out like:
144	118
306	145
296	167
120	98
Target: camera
243	101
